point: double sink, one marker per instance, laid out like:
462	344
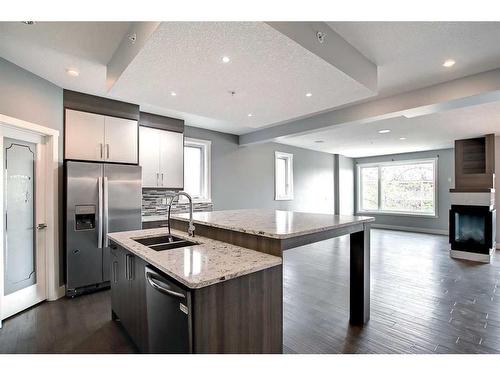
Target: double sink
165	242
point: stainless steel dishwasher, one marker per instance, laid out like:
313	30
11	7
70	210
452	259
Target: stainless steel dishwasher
168	311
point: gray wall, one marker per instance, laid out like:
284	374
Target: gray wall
346	185
243	177
446	172
28	97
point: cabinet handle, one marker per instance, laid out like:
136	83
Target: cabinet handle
129	272
127	266
157	179
162	179
115	278
101	152
107	150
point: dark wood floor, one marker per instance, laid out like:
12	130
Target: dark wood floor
422	302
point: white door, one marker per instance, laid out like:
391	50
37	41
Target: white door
23	242
120	140
84	135
149	156
171	159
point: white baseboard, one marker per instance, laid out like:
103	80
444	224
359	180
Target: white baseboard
410	229
483	258
61	291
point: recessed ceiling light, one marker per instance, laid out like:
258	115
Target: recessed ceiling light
402	138
249	115
384	131
225	59
172	93
72	72
318	141
309	94
449	63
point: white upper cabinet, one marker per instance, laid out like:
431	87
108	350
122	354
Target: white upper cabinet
161	155
120	140
94	137
84	136
149	156
172	159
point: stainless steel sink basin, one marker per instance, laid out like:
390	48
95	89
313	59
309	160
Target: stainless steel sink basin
165	242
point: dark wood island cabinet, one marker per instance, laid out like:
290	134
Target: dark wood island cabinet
240	315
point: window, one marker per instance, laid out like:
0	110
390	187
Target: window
283	176
197	169
405	187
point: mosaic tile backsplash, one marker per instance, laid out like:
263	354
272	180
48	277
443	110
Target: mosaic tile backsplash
155	202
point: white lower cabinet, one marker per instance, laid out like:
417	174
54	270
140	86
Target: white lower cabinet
161	155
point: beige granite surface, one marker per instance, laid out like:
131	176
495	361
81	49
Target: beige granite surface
274	223
197	266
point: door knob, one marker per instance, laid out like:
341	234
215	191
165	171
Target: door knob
41	226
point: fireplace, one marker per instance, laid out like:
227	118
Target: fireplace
472	225
472	228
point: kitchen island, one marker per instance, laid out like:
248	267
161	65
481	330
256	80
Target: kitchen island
229	280
275	231
205	297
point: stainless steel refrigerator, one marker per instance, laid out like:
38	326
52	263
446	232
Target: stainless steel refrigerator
100	199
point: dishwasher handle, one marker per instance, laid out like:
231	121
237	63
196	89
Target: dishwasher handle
160	286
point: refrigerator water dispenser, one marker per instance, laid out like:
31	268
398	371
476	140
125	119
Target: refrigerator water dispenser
85	217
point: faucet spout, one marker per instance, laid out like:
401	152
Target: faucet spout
191	227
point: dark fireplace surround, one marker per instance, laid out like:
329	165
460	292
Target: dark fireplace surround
472	228
472	225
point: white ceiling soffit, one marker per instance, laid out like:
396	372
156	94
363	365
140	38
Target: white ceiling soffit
269	73
134	40
429	132
409	55
48	49
320	39
473	90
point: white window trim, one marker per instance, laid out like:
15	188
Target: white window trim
396	213
280	155
207	168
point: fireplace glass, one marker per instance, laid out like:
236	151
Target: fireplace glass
471	228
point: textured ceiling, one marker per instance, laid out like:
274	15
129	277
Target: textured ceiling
423	133
410	55
268	71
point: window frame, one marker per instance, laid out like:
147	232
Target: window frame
289	175
359	197
206	156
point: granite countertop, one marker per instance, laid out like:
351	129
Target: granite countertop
274	223
197	266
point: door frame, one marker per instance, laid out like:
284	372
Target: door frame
51	182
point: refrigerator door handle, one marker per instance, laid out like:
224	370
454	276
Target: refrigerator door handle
106	211
99	212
